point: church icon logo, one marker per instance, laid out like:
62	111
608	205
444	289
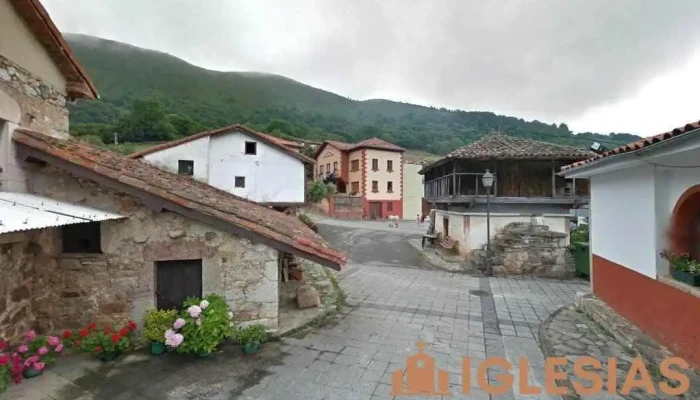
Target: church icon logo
421	377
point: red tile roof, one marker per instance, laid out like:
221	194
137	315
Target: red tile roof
182	194
269	139
634	146
372	143
284	142
376	143
78	83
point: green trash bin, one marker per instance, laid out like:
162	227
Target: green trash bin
582	260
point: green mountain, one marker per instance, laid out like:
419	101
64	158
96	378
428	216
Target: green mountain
148	95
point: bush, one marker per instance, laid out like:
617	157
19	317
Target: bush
256	333
308	222
157	322
92	139
206	324
580	234
317	191
101	341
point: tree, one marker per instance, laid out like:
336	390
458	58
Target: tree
184	125
317	191
146	122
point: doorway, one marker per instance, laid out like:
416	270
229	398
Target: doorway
176	281
446	227
375	209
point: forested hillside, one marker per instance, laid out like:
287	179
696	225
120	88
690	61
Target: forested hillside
151	96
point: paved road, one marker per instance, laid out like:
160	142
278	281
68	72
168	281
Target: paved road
395	299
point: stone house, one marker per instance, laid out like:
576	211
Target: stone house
645	199
86	234
239	160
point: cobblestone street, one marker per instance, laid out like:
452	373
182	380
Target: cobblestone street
395	298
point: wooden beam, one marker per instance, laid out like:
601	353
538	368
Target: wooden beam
554	181
454	178
573	187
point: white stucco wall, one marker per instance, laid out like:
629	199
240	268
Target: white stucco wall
412	190
18	44
470	229
624	225
196	150
271	175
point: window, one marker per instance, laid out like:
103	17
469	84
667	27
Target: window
81	238
390	187
375	164
251	148
375	186
328	168
390	206
320	169
354	187
239	182
355	165
185	167
335	166
390	165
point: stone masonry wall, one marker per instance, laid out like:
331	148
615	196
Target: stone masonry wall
19	253
525	249
43	108
120	282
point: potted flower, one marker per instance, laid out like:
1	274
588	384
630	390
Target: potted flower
203	324
106	344
37	352
11	367
252	337
157	322
683	268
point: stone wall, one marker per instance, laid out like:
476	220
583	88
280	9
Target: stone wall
526	249
42	107
19	253
120	282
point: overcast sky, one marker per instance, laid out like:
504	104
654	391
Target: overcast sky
597	65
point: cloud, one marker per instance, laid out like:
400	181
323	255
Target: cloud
548	59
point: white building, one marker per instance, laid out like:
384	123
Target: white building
239	160
645	199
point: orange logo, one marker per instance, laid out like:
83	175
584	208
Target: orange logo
420	377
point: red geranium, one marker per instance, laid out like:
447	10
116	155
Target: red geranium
67	334
83	333
98	349
116	337
4	359
132	325
124	331
108	329
92	326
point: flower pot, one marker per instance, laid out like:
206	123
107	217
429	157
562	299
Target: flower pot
31	372
157	348
204	354
686	277
108	355
251	347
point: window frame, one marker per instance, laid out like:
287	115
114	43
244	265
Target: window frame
390	165
355	187
390	186
375	186
354	165
184	163
375	164
74	230
235	182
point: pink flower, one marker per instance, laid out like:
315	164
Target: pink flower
39	366
179	323
22	348
194	311
30	335
59	348
199	322
168	334
4	359
53	340
33	359
204	304
175	340
42	350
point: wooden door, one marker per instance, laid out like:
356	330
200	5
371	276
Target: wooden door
375	209
176	281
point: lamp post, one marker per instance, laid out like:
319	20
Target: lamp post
487	181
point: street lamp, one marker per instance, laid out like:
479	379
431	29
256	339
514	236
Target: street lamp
487	181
